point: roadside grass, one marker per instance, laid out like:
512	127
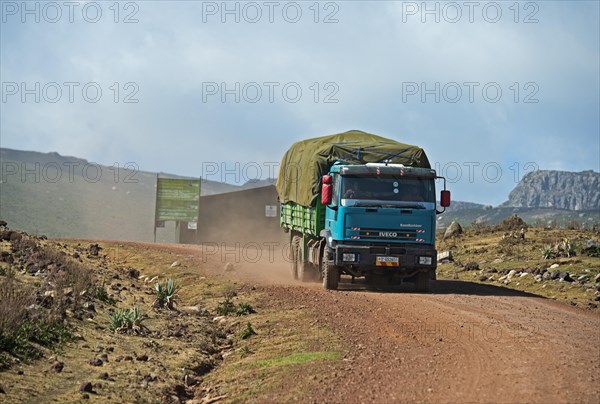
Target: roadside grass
298	358
287	342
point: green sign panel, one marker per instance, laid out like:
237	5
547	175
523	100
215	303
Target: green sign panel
177	199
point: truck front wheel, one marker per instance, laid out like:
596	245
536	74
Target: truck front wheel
331	274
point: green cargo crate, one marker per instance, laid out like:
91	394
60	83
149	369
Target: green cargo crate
305	219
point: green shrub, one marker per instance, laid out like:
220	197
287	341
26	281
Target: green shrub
165	294
244	309
593	251
102	295
247	332
225	307
548	252
127	321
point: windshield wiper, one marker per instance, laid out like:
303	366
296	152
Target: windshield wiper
367	205
380	205
411	206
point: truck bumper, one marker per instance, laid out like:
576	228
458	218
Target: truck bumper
400	259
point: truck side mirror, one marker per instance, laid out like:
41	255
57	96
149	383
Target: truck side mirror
326	190
445	198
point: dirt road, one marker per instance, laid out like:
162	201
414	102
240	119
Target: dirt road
464	342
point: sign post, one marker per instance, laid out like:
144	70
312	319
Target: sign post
177	199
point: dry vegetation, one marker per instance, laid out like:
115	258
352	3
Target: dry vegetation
561	264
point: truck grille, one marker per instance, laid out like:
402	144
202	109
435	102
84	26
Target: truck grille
366	234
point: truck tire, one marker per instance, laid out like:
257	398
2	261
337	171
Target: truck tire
331	274
307	272
295	255
422	282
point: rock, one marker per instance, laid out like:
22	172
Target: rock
89	306
228	267
3	223
538	278
86	387
103	376
555	275
471	266
502	278
192	309
2	390
175	264
444	256
583	278
597	278
76	255
511	274
189	380
564	276
483	278
453	230
142	358
513	222
497	261
523	274
553	266
94	250
133	273
95	362
57	367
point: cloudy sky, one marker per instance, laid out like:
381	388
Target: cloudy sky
491	90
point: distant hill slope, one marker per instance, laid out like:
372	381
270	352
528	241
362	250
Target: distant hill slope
558	190
62	196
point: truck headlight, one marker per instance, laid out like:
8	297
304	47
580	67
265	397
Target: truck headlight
425	260
349	257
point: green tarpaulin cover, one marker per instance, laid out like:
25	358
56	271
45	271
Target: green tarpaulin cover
307	161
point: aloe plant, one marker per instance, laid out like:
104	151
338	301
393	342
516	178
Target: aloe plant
165	294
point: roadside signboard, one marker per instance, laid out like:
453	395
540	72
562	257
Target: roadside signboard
177	199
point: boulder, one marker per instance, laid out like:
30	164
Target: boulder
453	230
471	266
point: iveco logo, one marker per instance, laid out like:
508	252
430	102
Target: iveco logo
388	234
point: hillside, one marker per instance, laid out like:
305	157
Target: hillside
63	196
558	190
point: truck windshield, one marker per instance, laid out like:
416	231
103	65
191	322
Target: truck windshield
387	189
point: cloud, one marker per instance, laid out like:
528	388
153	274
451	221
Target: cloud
365	62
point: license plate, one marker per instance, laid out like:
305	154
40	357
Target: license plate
387	261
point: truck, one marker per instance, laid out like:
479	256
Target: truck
359	205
